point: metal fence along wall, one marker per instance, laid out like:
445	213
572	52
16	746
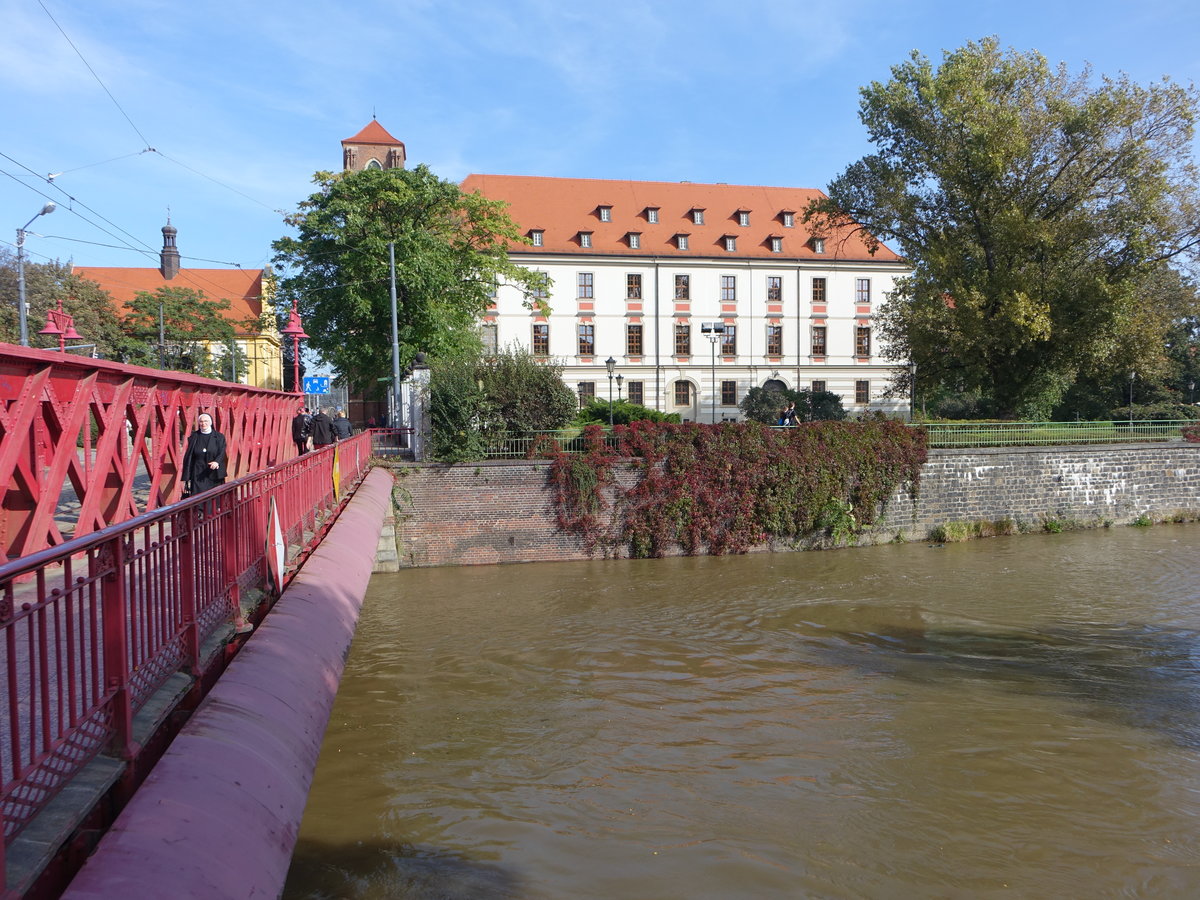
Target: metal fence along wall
92	628
110	438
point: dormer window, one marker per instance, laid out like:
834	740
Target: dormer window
536	237
681	241
818	245
743	217
697	216
776	244
652	215
605	213
585	239
789	218
730	243
635	240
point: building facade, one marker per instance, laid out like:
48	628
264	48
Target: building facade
696	292
247	290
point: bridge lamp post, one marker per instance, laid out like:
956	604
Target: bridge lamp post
22	311
62	324
620	378
714	331
296	331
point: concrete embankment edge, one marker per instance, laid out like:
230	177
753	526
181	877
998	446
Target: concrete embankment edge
219	815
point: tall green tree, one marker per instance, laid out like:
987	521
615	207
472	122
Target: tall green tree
451	250
1031	203
193	326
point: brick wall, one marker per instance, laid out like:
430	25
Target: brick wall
503	512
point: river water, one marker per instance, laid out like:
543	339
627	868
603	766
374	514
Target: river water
1012	717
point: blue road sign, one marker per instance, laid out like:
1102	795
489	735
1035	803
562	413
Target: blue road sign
316	384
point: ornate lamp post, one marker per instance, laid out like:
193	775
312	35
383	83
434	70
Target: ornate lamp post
22	311
620	378
611	365
62	324
296	330
714	331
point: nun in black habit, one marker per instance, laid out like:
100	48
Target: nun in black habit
204	460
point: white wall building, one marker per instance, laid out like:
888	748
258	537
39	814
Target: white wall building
641	268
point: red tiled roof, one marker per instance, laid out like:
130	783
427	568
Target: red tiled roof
241	287
563	207
374	133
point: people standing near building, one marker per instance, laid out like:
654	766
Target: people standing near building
301	431
204	459
789	414
341	426
322	430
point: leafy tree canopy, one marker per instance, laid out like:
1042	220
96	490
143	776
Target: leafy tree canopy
190	322
623	412
765	404
450	251
1033	206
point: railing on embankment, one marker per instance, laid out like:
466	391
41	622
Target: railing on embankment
942	435
92	628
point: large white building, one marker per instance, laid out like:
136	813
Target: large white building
696	292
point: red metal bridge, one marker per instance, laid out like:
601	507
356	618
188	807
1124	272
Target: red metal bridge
117	600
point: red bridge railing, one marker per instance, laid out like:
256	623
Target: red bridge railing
109	438
91	629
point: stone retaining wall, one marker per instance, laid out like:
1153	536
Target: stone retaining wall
498	512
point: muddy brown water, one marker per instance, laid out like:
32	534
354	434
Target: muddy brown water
1015	717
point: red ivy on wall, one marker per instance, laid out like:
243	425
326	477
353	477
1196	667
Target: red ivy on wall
725	488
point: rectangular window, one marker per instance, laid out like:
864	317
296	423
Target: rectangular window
540	292
587	393
683	340
683	393
681	241
633	287
536	237
697	216
776	245
635	240
862	392
789	220
541	339
633	340
774	288
491	338
744	218
729	393
818	387
636	393
728	288
818	290
774	340
652	215
862	290
729	341
683	287
585	239
818	340
585	282
818	245
862	341
606	214
730	244
587	340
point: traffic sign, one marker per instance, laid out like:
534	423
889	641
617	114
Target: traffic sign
316	384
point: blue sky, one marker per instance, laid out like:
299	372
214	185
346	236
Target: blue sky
243	102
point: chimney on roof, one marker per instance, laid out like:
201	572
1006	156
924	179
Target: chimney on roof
168	259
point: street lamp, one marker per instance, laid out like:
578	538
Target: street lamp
620	378
611	365
296	330
62	324
714	332
912	390
22	312
1132	379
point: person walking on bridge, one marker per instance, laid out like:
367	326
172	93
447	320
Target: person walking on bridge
205	458
322	430
341	426
301	431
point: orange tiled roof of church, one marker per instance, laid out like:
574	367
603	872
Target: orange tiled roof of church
241	287
561	208
373	133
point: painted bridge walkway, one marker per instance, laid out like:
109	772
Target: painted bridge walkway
120	606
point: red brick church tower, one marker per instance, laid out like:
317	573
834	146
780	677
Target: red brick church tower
372	148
